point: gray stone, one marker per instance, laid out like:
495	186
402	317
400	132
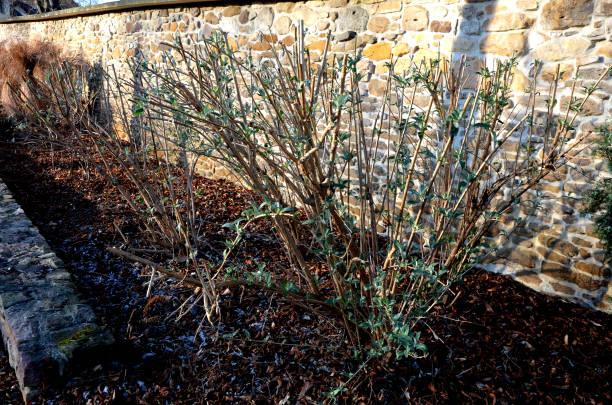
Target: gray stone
352	19
43	320
264	18
345	36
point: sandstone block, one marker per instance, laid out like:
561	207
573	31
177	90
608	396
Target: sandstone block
562	288
322	25
243	17
504	44
594	73
378	24
211	18
377	87
308	15
441	26
389	6
549	71
415	18
592	107
592	268
231	11
604	7
286	7
336	3
379	51
561	14
402	49
520	82
553	256
265	46
318	46
565	248
508	22
605	50
282	25
561	48
523	257
527	5
457	44
583	281
529	278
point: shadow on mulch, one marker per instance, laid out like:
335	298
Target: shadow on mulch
499	342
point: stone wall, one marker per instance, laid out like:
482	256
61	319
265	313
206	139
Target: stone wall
553	249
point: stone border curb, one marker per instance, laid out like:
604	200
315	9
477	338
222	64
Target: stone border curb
44	322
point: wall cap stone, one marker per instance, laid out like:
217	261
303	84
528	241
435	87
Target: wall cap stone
114	7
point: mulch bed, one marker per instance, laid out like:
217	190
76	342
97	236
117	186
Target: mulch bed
499	342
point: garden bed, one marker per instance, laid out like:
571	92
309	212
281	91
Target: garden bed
493	341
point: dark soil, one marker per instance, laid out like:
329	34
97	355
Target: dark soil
498	342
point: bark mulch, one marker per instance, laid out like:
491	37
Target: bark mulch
499	342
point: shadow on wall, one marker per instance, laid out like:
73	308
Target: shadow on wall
491	29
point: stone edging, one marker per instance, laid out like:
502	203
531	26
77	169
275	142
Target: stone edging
44	322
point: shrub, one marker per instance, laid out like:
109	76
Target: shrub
599	200
397	203
23	62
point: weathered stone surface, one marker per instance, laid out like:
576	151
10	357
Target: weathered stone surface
561	14
43	321
352	19
211	18
604	7
282	25
377	87
602	271
415	18
379	51
592	106
553	256
459	44
307	14
231	11
561	48
378	24
469	27
389	6
523	257
508	22
549	71
345	36
582	281
336	3
441	26
527	4
505	44
605	50
264	18
402	49
562	288
530	278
